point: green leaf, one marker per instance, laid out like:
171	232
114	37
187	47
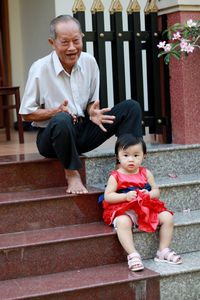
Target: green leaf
167	59
176	55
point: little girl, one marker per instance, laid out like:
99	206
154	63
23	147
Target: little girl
131	198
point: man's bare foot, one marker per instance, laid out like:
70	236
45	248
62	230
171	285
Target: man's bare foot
75	185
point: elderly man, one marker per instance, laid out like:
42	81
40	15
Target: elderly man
61	99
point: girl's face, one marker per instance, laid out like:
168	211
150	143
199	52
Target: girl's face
131	158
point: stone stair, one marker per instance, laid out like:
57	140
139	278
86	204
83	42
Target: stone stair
176	169
55	246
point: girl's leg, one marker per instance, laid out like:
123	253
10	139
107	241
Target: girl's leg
166	229
165	254
123	225
125	233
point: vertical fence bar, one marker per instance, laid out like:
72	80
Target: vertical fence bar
153	71
99	48
135	53
78	10
117	52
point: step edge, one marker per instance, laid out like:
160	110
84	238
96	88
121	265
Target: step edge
151	148
39	198
188	220
165	269
106	282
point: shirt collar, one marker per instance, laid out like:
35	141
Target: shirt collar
58	66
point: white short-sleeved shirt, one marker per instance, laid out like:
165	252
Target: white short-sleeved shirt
48	85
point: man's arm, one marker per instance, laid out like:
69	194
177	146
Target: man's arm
43	114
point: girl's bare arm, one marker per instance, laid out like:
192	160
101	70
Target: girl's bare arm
111	196
155	192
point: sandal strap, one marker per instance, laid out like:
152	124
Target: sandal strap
134	259
161	254
169	255
133	255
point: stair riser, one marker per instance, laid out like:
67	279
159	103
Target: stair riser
161	163
184	286
146	289
83	253
32	175
77	210
49	213
179	198
59	257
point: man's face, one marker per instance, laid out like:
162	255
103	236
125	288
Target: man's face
68	44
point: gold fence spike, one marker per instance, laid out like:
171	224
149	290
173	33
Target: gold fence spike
97	6
78	6
111	9
146	9
116	6
92	9
133	7
153	7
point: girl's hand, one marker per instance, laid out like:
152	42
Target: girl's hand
145	191
131	195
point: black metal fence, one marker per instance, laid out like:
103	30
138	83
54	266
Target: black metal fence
157	116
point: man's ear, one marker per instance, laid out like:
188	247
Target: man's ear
51	42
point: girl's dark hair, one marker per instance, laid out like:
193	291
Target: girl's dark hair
127	140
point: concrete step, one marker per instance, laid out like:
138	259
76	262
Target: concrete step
31	171
52	207
161	160
183	280
72	247
45	208
101	283
180	193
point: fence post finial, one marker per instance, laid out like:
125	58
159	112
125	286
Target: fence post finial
115	7
78	6
153	7
146	9
97	6
133	7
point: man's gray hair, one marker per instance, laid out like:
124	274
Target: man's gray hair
60	19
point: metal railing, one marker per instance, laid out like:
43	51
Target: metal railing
157	116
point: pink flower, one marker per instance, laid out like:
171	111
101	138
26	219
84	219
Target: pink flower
183	45
161	45
176	36
190	23
189	48
167	48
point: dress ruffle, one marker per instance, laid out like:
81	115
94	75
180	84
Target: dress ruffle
147	210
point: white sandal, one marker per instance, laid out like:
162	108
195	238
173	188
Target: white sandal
168	256
135	262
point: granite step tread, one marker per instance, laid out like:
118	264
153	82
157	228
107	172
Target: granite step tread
191	263
75	232
170	181
58	283
151	148
41	194
53	235
25	158
176	180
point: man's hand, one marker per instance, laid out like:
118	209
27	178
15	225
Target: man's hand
64	108
98	115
